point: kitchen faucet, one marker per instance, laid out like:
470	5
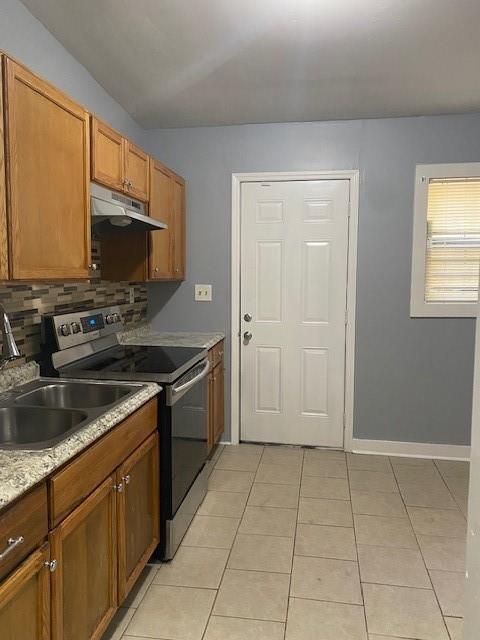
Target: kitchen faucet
10	350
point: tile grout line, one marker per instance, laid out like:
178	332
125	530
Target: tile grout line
293	549
422	556
356	548
231	547
448	488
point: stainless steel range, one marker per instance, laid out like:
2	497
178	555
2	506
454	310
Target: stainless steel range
85	344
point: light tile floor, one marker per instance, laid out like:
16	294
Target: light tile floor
304	544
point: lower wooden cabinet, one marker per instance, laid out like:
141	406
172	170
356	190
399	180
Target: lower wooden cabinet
218	402
25	599
216	392
84	583
138	513
103	531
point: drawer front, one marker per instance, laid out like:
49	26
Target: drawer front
79	478
27	519
216	354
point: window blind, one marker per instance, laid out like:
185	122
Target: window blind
453	240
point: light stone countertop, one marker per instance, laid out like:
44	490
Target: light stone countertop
22	469
147	336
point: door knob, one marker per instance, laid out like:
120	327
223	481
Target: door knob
247	317
247	336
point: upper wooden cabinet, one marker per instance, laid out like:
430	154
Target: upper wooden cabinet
3	191
117	162
179	230
47	176
161	263
107	155
125	256
167	203
136	171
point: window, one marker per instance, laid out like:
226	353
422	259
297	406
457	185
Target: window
446	240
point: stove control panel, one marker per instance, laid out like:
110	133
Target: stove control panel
71	329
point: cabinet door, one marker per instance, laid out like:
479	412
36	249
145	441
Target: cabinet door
84	585
210	414
136	171
161	208
3	191
218	403
48	172
25	600
179	269
138	513
107	155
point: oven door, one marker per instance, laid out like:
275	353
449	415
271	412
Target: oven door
187	400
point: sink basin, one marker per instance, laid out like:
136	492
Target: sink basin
74	395
36	427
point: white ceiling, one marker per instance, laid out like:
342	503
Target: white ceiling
181	63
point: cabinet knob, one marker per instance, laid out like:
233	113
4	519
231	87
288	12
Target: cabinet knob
156	268
51	565
12	543
126	479
118	487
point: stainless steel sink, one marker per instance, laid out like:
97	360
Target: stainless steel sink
36	427
45	411
74	395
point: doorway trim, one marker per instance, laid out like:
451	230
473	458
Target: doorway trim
237	179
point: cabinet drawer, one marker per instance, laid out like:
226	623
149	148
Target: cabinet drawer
27	518
216	354
79	478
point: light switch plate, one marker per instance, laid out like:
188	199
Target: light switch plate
203	292
131	295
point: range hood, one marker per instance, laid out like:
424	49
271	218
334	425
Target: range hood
111	210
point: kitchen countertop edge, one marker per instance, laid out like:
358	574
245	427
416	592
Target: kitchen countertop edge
22	469
145	335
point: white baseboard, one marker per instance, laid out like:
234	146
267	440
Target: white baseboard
411	449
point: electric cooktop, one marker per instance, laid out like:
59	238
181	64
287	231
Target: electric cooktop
156	364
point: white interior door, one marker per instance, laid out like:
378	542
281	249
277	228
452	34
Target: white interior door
293	284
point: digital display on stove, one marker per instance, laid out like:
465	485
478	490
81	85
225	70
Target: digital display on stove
92	323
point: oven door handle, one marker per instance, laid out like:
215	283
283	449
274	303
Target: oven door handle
187	385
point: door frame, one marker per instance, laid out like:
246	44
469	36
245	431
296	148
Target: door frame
353	175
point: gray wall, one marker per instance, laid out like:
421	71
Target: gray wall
25	38
413	377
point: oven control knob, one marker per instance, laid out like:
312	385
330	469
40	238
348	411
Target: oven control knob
65	330
116	317
109	318
75	327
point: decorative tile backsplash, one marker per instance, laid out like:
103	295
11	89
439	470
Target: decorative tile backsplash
26	303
